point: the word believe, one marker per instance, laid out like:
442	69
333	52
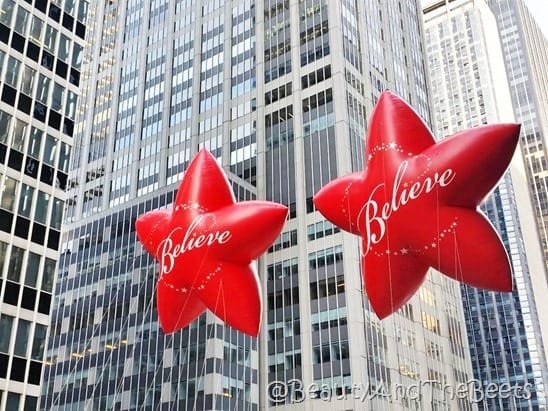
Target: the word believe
170	250
399	198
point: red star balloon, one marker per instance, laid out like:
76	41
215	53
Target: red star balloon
206	246
415	205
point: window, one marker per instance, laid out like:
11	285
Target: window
36	30
64	48
21	20
31	403
316	76
327	287
47	278
57	97
33	265
27	80
12	72
64	157
70	106
6	11
5	120
76	55
6	323
82	10
322	258
3	252
39	342
19	134
16	263
42	89
430	322
8	193
25	200
22	338
49	150
50	38
286	268
12	402
41	207
56	213
35	142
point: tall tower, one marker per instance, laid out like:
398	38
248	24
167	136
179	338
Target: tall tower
157	86
325	64
40	56
279	91
525	57
470	88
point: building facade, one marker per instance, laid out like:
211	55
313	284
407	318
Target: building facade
469	88
40	57
280	92
525	57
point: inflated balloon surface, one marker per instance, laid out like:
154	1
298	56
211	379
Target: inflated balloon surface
206	246
415	205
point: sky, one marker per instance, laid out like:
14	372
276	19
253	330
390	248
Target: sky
539	9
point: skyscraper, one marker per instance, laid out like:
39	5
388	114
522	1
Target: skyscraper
40	55
525	58
524	48
279	92
469	88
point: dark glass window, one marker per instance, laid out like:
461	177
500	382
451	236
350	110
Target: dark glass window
22	226
18	366
28	301
11	293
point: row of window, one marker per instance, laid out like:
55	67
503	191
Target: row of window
278	93
13	401
281	269
277	40
28	336
283	298
322	258
26	267
32	140
39	111
31	199
285	240
45	35
327	287
31	167
39	233
333	318
335	351
315	77
321	229
44	57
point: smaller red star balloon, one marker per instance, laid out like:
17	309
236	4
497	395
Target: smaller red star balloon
206	246
416	205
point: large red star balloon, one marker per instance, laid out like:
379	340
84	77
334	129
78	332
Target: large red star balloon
206	246
415	205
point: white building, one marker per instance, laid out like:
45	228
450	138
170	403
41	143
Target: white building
280	92
469	87
40	57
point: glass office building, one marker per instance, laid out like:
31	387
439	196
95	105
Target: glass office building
469	88
280	92
41	46
526	57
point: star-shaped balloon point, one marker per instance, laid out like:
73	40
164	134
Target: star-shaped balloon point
206	246
416	205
